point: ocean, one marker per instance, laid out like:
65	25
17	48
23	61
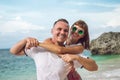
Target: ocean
23	68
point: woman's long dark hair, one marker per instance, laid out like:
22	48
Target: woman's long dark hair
85	40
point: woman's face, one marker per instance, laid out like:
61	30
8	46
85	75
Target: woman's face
77	33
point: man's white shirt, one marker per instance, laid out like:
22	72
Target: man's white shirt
48	65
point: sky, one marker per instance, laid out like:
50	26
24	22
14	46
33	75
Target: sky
34	18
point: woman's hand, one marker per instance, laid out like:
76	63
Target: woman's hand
69	57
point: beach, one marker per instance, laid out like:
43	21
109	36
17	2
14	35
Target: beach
108	69
23	68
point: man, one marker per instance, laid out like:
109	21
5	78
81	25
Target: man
49	66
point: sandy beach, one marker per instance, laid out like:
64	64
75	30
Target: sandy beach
109	69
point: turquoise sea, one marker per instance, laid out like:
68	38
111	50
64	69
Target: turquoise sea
23	68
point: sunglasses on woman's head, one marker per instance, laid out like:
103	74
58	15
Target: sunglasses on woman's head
80	32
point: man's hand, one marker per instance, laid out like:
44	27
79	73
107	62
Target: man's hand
31	42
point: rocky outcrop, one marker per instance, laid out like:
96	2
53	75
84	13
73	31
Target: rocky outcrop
107	43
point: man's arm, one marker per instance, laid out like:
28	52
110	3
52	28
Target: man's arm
61	49
18	48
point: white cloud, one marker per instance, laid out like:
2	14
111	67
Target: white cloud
84	3
114	18
76	3
18	18
1	17
113	23
17	24
94	36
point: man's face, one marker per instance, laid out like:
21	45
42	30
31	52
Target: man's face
60	32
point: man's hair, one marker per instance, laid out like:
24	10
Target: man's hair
63	20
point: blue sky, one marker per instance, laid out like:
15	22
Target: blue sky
34	18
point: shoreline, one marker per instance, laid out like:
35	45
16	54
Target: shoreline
108	69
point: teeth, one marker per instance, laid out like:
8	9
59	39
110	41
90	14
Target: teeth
61	36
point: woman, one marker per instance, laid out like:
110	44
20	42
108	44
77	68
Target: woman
78	38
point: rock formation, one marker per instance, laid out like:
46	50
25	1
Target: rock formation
107	43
